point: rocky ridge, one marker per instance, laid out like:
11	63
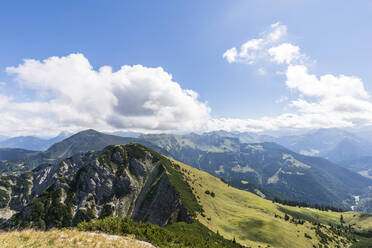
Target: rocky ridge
122	180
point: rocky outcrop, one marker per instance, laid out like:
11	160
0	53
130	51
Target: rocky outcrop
122	180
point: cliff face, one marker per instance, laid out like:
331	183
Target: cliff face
122	180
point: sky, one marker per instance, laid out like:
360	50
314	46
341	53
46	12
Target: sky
171	66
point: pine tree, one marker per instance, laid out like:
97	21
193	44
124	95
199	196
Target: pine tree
342	219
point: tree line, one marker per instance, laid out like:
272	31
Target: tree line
307	205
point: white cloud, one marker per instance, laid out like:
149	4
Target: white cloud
74	96
257	49
325	86
322	101
276	32
230	55
285	53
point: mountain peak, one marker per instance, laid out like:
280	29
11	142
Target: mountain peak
122	180
87	132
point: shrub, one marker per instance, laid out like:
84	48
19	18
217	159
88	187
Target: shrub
176	235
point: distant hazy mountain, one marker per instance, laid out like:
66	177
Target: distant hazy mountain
334	144
245	137
2	137
268	165
14	153
362	166
126	134
209	142
31	142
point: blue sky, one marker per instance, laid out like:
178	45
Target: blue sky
187	39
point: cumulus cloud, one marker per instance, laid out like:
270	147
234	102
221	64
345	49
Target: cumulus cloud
285	53
72	95
230	55
322	101
256	49
326	86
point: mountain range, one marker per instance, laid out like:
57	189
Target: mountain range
31	142
269	165
334	144
362	166
96	189
78	143
267	169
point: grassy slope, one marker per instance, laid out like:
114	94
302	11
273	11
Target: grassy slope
251	219
66	238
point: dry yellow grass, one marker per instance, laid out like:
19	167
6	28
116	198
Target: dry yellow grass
66	239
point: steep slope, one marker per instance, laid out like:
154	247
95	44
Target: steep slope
209	142
362	166
255	222
271	166
124	181
136	182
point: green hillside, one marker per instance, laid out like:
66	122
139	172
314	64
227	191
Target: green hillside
254	221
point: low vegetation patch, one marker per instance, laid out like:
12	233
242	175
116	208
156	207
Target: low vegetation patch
46	210
176	235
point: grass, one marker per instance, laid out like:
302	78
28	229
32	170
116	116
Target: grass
177	235
66	238
254	221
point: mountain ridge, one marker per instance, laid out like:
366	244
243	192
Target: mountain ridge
78	189
271	167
